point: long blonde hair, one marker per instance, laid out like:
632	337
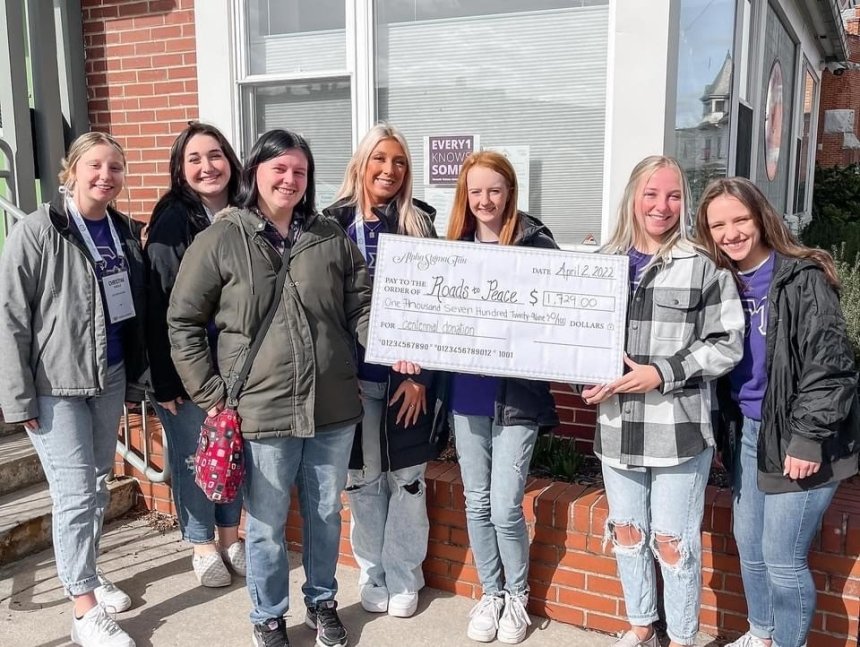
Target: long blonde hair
774	233
78	149
462	222
409	220
627	226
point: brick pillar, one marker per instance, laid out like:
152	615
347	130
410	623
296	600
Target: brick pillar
141	67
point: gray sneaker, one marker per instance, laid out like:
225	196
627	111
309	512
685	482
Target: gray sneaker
748	640
631	640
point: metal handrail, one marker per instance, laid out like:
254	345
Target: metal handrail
11	208
140	460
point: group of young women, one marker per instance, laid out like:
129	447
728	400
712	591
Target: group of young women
735	340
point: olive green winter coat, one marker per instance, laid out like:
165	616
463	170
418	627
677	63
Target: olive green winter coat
304	376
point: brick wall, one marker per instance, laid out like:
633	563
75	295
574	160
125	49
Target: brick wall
577	419
841	93
573	578
142	86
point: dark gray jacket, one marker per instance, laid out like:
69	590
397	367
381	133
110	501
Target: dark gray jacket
304	376
52	323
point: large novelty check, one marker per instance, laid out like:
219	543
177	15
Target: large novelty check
499	310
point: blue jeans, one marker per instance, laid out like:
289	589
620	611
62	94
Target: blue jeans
389	527
318	467
494	465
198	516
76	442
660	503
774	533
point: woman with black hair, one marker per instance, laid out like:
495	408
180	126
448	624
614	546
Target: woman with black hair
299	404
204	178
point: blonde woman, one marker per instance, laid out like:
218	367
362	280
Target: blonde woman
71	321
401	429
655	439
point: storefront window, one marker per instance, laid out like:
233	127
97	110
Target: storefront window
529	82
772	175
320	111
295	77
295	36
704	89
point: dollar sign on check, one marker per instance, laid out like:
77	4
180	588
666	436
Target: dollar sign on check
534	298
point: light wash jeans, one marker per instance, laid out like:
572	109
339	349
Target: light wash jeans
76	443
198	516
389	527
318	467
666	501
494	465
774	533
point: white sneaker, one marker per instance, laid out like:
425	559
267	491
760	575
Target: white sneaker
403	605
97	629
748	640
374	599
109	595
484	618
234	557
514	620
210	570
630	640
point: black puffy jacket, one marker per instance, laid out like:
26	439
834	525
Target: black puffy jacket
403	446
810	409
519	401
172	228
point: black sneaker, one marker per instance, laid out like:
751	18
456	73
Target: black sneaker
272	633
330	630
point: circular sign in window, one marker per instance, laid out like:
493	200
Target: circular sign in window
773	121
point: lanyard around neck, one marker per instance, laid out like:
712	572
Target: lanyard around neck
78	219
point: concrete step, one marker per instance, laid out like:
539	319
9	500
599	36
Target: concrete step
19	463
7	428
25	516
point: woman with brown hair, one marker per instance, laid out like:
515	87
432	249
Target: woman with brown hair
792	400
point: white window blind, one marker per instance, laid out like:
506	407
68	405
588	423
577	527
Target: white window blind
320	111
535	79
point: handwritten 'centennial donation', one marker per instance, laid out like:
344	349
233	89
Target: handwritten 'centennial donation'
499	310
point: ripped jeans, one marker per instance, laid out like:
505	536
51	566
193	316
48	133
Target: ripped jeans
494	465
389	526
661	505
198	516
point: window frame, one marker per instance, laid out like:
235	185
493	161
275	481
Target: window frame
358	69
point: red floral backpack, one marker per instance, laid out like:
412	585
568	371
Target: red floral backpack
219	466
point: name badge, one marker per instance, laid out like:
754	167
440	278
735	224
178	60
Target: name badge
118	296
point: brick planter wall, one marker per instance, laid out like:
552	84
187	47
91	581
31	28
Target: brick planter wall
573	578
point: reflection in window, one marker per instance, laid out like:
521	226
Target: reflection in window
803	166
704	87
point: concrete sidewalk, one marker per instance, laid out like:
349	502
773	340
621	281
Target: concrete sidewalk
170	609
